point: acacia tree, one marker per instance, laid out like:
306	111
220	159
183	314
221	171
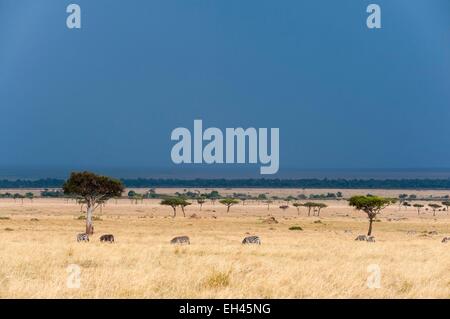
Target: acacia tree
434	207
93	190
30	196
228	202
213	196
268	202
174	202
406	205
318	207
371	205
183	204
131	194
418	207
297	205
401	199
19	196
309	205
201	201
446	204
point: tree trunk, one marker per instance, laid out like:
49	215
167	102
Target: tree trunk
228	209
174	211
369	233
89	226
182	209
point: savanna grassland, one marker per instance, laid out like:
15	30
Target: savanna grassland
322	260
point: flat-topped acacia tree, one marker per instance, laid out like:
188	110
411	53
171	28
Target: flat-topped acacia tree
201	201
434	207
229	202
446	204
183	204
371	205
297	205
93	190
309	205
418	207
319	207
174	202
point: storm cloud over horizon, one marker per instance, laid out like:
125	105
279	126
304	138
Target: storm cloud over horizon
109	94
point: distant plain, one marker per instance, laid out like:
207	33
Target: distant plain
38	243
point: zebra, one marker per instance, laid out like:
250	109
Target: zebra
446	240
82	237
365	238
107	238
181	240
252	240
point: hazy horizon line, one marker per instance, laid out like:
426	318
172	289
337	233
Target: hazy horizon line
177	172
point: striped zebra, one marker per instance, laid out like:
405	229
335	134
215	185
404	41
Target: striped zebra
82	237
370	239
252	240
181	240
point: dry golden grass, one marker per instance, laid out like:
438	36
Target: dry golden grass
320	261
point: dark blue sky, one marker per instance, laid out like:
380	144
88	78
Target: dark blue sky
110	94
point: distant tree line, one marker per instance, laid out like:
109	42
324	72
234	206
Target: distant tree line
39	183
252	183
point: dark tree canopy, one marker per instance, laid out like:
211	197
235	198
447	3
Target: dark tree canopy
434	207
92	187
92	190
371	205
228	202
174	202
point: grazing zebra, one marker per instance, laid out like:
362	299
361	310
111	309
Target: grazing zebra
365	238
107	238
181	240
446	240
82	237
252	240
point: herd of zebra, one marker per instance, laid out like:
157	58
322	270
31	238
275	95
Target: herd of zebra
109	238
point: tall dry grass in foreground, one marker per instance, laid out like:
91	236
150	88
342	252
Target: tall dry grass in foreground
320	261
